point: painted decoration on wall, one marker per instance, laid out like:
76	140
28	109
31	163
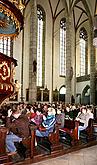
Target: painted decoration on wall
7	25
11	17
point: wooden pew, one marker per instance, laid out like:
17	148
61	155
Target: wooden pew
30	142
87	134
4	158
52	140
71	128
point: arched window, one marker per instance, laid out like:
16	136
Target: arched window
63	90
62	93
40	45
63	47
83	51
5	45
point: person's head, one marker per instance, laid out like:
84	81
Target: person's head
24	106
67	109
58	111
45	108
51	111
38	112
31	110
89	109
21	105
73	107
83	110
16	111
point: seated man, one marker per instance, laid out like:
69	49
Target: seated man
18	128
69	113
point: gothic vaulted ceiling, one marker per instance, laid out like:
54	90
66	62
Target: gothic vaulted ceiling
82	10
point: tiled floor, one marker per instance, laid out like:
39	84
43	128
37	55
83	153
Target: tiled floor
87	156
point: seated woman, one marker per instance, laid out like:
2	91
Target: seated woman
60	117
47	127
36	117
83	117
48	124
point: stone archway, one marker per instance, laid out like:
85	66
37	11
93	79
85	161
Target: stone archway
62	92
86	95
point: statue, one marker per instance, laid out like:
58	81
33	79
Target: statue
71	72
34	66
17	86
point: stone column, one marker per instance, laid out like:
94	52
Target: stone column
33	53
68	59
22	66
92	69
73	63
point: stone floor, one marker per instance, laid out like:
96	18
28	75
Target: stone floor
87	156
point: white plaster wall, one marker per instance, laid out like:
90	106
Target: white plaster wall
26	49
17	51
17	54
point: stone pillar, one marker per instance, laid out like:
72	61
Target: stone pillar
33	53
68	59
42	94
92	69
74	69
73	63
22	66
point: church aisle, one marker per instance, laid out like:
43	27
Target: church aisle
87	156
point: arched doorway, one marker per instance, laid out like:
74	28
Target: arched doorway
62	92
86	95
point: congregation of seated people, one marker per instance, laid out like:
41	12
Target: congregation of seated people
18	117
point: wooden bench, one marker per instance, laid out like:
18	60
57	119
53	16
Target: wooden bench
28	142
87	134
4	158
52	140
71	131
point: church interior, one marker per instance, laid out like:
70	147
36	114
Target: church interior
48	72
